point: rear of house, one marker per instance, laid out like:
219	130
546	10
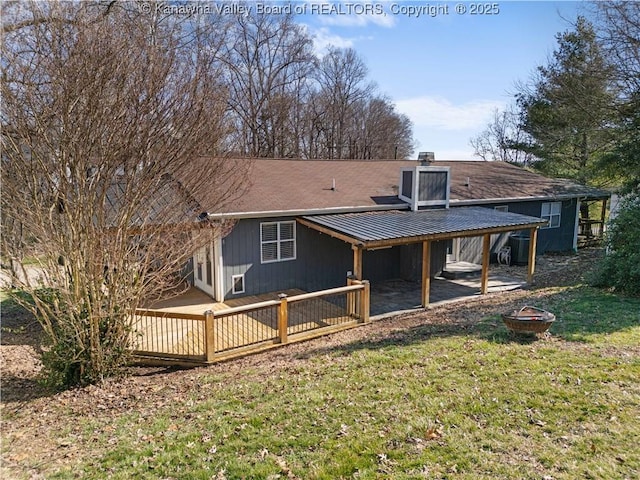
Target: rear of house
275	245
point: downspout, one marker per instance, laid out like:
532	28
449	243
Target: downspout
218	269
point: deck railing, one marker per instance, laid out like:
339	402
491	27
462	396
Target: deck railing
240	330
244	326
591	228
169	334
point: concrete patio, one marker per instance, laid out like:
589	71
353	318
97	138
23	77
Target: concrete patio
387	298
396	296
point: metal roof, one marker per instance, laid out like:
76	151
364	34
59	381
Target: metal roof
372	229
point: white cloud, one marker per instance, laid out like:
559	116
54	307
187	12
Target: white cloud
440	113
323	38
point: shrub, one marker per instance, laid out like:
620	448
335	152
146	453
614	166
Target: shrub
75	358
620	268
83	345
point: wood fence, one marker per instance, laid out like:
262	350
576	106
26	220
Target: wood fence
169	337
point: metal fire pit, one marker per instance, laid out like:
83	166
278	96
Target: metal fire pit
529	320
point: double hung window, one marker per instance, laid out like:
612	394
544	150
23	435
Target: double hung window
552	211
277	241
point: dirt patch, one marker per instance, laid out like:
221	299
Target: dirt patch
36	423
21	339
556	270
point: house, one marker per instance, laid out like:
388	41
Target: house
309	224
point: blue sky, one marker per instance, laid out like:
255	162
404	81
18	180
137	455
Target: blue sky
447	72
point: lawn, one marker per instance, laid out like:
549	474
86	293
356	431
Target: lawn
448	393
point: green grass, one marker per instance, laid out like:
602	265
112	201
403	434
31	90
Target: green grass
435	401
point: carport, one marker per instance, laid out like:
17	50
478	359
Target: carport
383	229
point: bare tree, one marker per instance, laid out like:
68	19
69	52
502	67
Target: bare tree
268	58
378	131
618	28
110	118
501	139
342	78
285	102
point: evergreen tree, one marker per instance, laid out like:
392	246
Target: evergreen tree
568	111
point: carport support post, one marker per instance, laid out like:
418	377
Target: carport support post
357	261
426	272
531	264
486	245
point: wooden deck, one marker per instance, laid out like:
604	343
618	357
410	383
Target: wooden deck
172	336
198	302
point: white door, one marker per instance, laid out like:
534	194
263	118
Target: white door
203	273
453	253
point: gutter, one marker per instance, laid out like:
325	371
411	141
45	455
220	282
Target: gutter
300	212
524	199
372	208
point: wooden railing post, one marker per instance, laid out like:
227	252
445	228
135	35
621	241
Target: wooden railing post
283	318
209	335
365	294
351	299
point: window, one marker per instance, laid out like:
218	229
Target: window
501	208
200	271
208	267
277	241
551	211
199	261
237	282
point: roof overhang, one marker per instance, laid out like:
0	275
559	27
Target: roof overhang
306	212
370	230
548	198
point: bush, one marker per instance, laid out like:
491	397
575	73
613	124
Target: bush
83	346
620	268
73	359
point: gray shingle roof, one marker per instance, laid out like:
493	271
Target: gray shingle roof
304	185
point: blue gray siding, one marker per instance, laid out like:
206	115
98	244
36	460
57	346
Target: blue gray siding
411	260
186	272
558	239
321	261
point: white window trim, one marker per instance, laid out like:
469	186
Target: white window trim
279	241
551	215
233	283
